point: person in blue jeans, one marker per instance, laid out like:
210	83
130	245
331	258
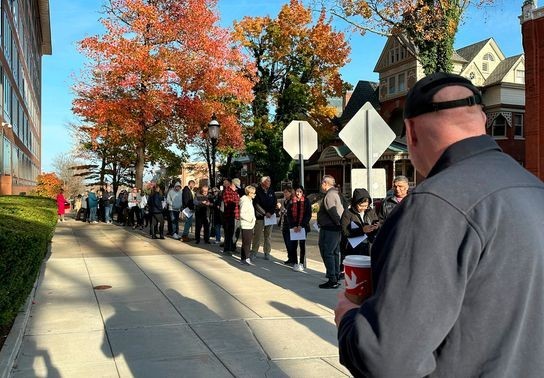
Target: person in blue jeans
174	201
93	207
329	220
188	197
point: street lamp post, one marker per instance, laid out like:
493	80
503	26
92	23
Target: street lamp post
213	133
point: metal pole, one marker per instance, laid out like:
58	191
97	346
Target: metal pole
300	157
369	154
213	164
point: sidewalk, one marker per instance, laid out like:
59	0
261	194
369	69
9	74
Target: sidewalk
173	310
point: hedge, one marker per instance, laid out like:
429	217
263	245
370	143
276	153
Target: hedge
26	227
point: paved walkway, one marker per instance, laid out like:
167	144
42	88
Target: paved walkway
173	310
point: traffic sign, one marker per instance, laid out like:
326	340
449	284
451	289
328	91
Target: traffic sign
377	187
367	135
299	138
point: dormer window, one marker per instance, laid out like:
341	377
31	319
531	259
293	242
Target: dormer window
397	52
487	58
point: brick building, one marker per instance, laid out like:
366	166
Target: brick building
25	38
532	26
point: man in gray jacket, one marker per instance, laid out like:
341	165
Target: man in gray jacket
330	231
458	267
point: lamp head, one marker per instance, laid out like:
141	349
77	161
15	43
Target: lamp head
213	128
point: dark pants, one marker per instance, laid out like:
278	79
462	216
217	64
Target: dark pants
302	244
247	237
157	225
202	220
229	225
291	253
329	247
135	210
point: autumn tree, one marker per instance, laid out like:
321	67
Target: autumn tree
72	184
158	73
430	25
47	185
297	62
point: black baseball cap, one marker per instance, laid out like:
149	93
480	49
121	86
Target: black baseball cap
419	99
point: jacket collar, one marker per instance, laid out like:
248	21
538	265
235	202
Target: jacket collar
462	150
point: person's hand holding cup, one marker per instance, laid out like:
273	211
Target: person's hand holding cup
358	278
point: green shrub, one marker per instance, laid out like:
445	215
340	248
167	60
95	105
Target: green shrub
26	226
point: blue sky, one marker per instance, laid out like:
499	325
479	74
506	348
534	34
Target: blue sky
72	20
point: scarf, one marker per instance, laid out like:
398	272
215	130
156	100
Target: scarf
297	210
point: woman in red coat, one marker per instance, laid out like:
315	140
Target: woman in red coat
60	205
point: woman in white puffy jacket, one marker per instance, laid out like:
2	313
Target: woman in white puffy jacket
247	223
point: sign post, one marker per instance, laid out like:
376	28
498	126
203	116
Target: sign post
300	142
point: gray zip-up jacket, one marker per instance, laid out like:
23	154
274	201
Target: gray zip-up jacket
458	275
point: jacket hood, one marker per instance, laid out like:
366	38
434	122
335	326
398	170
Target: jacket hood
359	195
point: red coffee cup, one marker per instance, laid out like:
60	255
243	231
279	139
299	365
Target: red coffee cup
358	278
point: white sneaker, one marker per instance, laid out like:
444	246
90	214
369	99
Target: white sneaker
176	236
298	268
249	262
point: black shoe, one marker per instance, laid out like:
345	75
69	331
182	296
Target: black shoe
207	241
197	242
161	237
153	237
329	285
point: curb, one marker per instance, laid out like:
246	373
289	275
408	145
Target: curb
10	349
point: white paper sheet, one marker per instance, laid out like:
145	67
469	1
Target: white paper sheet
301	235
354	242
353	225
270	220
188	212
316	226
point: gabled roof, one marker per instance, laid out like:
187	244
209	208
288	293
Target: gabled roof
470	51
458	58
364	91
502	69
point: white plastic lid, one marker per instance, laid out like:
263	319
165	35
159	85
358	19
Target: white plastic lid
357	261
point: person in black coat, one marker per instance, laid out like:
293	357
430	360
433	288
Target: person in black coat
358	220
299	213
156	204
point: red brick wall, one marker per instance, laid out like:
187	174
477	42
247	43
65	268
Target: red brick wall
533	45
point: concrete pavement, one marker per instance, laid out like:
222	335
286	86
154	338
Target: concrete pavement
114	303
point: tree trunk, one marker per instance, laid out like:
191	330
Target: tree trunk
139	166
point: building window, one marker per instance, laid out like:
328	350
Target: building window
520	77
391	85
7	157
489	57
518	126
397	52
401	82
498	129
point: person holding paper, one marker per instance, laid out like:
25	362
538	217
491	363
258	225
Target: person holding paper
265	207
284	224
247	223
299	212
359	224
188	198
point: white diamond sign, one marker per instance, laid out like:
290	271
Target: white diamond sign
367	135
